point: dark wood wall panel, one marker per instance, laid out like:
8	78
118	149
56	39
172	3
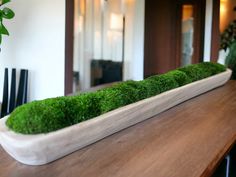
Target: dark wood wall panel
159	27
199	35
69	46
215	43
162	51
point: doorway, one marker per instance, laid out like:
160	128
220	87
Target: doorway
174	34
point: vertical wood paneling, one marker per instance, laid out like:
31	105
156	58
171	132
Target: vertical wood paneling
215	43
159	27
69	46
162	49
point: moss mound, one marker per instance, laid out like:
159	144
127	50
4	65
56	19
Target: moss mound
39	117
56	113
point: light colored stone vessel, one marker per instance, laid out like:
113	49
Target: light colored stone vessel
44	148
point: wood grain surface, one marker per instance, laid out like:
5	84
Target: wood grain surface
188	140
57	144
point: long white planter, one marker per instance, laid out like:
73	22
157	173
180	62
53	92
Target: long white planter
44	148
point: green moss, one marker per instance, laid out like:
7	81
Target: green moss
194	72
180	77
140	89
212	68
53	114
39	117
82	107
151	86
202	70
117	96
165	82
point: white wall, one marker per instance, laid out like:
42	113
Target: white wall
36	42
208	35
222	56
208	30
138	41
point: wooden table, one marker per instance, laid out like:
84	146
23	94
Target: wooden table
188	140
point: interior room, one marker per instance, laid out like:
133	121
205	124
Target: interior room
117	88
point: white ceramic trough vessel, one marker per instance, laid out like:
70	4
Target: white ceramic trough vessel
44	148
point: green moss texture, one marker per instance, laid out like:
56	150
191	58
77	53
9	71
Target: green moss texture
56	113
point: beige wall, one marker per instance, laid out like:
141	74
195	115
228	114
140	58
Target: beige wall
187	12
226	13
